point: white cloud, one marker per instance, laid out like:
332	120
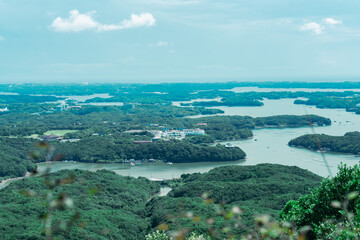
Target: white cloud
318	28
2	38
313	27
331	21
160	44
77	22
172	2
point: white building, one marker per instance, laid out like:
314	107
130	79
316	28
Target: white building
62	106
196	131
176	134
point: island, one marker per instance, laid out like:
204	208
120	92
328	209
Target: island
349	143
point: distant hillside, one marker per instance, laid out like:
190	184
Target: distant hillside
264	188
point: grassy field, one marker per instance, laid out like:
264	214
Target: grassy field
59	132
35	136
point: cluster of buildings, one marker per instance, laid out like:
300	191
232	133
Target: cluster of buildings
52	137
67	104
176	134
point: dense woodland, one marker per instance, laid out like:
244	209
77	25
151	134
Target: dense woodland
109	206
116	210
349	143
332	102
112	149
331	209
14	157
263	188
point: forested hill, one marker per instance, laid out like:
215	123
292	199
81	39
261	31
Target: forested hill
13	157
109	206
264	188
332	209
349	143
112	149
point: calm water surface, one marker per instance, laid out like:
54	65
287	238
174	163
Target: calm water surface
270	145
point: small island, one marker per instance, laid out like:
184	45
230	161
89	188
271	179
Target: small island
349	143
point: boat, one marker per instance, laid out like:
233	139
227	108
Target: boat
169	163
132	164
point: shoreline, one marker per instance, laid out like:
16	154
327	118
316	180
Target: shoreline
156	162
6	182
323	151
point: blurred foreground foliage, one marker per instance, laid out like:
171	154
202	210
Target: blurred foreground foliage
224	202
233	202
103	205
329	211
332	209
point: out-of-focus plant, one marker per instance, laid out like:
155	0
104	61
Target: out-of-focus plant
53	201
264	228
330	211
157	235
162	235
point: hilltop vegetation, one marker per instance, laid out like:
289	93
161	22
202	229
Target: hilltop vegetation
112	149
349	143
331	209
331	102
238	127
116	211
14	157
116	207
264	188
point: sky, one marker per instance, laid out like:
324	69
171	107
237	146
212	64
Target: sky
179	40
